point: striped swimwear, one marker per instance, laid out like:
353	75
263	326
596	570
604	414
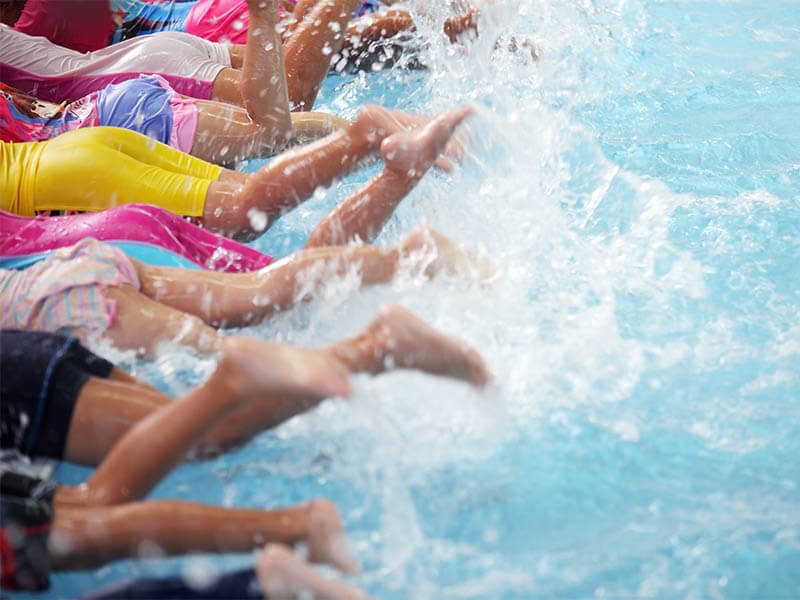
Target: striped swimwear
65	292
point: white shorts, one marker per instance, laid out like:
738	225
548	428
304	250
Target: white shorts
37	66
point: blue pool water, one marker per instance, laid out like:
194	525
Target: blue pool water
640	189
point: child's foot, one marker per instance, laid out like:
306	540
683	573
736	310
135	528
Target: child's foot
407	341
413	152
284	575
455	26
257	369
449	257
374	123
456	147
326	540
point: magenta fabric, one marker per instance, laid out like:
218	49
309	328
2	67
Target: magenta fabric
83	26
219	21
22	236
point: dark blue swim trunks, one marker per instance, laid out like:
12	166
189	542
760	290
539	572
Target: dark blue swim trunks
239	585
41	377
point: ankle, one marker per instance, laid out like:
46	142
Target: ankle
360	354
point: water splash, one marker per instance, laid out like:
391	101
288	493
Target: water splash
642	430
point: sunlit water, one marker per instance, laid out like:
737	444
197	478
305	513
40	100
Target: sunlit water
639	188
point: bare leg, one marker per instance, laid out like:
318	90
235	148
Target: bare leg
283	575
310	126
104	412
225	133
316	38
407	157
184	306
250	371
227	87
141	324
302	9
455	147
239	400
372	28
222	299
260	85
399	339
455	26
264	88
396	339
292	177
88	537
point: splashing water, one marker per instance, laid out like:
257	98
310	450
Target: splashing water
638	187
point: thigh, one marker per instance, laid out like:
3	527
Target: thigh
141	324
102	167
225	134
105	410
153	153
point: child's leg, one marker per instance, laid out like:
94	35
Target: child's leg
407	157
250	372
293	176
225	133
82	538
278	573
371	28
141	324
455	26
400	339
104	412
118	166
264	90
239	299
260	84
226	299
316	38
396	339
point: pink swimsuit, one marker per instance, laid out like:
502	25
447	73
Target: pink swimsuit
142	223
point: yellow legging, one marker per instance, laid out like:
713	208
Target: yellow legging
99	167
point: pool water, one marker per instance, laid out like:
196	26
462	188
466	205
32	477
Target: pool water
639	188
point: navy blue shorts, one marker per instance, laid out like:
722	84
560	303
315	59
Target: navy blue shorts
239	585
41	377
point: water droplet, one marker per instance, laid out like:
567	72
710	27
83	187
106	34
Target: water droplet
258	219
